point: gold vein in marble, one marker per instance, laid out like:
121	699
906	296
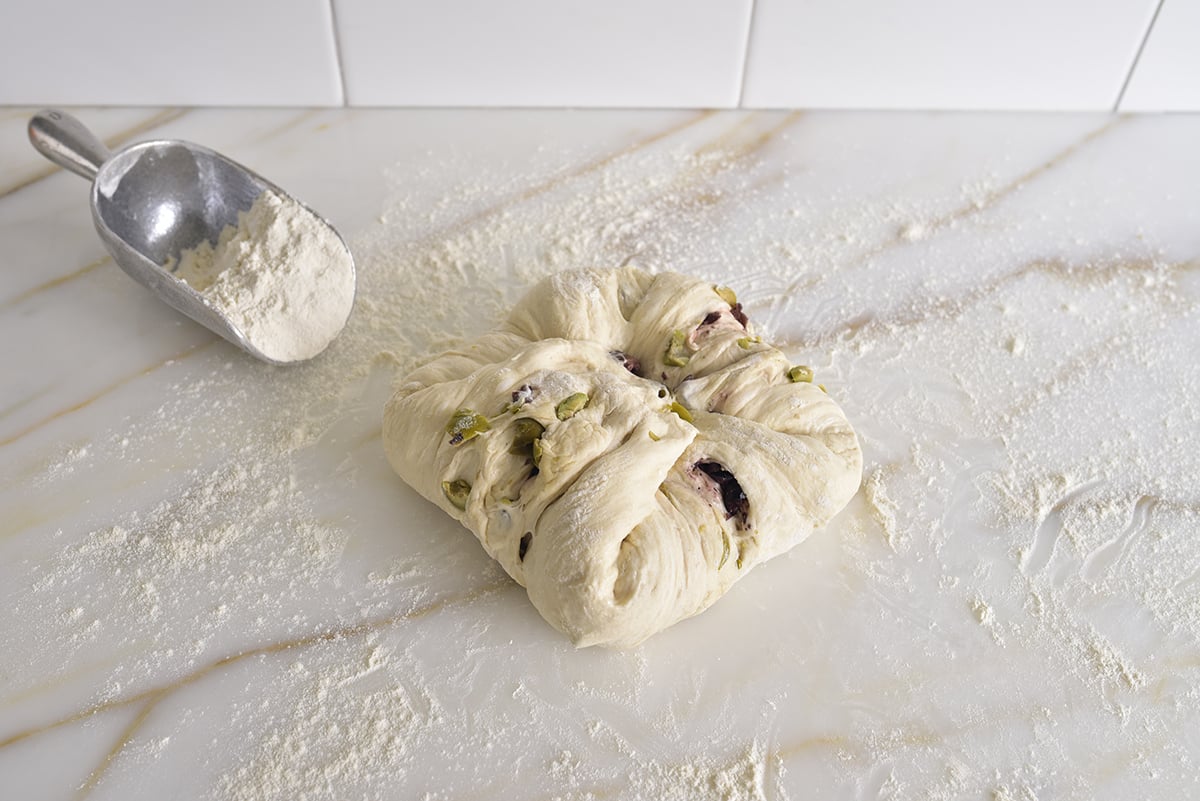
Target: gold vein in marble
115	140
1085	361
113	386
757	142
23	402
1081	364
952	308
689	188
819	742
14	113
122	740
25	515
993	196
974	208
156	694
53	282
78	670
720	142
558	180
284	127
903	735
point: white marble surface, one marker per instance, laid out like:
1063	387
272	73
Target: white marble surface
215	588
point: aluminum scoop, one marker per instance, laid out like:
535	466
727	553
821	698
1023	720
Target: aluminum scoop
152	200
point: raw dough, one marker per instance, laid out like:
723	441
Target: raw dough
634	517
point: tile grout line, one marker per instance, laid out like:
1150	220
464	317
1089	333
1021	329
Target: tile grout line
337	52
1137	56
746	54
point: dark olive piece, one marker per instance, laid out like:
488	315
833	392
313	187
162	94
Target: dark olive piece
737	505
630	363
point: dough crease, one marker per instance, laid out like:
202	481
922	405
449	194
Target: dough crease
625	447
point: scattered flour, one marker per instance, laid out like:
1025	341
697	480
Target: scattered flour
913	232
740	779
282	277
883	508
999	468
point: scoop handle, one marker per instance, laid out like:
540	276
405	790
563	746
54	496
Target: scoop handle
67	142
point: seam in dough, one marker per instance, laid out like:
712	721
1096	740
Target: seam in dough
612	528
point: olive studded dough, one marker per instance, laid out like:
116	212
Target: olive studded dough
625	447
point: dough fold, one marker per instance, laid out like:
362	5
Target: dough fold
625	447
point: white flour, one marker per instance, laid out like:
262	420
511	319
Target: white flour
282	277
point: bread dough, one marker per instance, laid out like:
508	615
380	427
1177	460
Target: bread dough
563	441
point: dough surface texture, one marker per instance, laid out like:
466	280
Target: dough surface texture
625	447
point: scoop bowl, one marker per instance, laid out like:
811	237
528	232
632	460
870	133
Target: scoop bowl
152	200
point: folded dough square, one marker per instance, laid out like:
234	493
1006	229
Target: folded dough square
625	447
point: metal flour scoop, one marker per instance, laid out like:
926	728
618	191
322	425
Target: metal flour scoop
152	200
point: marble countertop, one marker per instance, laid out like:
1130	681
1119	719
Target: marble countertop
216	589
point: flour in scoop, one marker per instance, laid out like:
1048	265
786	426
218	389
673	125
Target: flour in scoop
282	276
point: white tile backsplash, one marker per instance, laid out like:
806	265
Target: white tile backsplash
890	54
1167	76
1019	54
633	53
149	52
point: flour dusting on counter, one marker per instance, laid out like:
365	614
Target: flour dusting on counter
1009	610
